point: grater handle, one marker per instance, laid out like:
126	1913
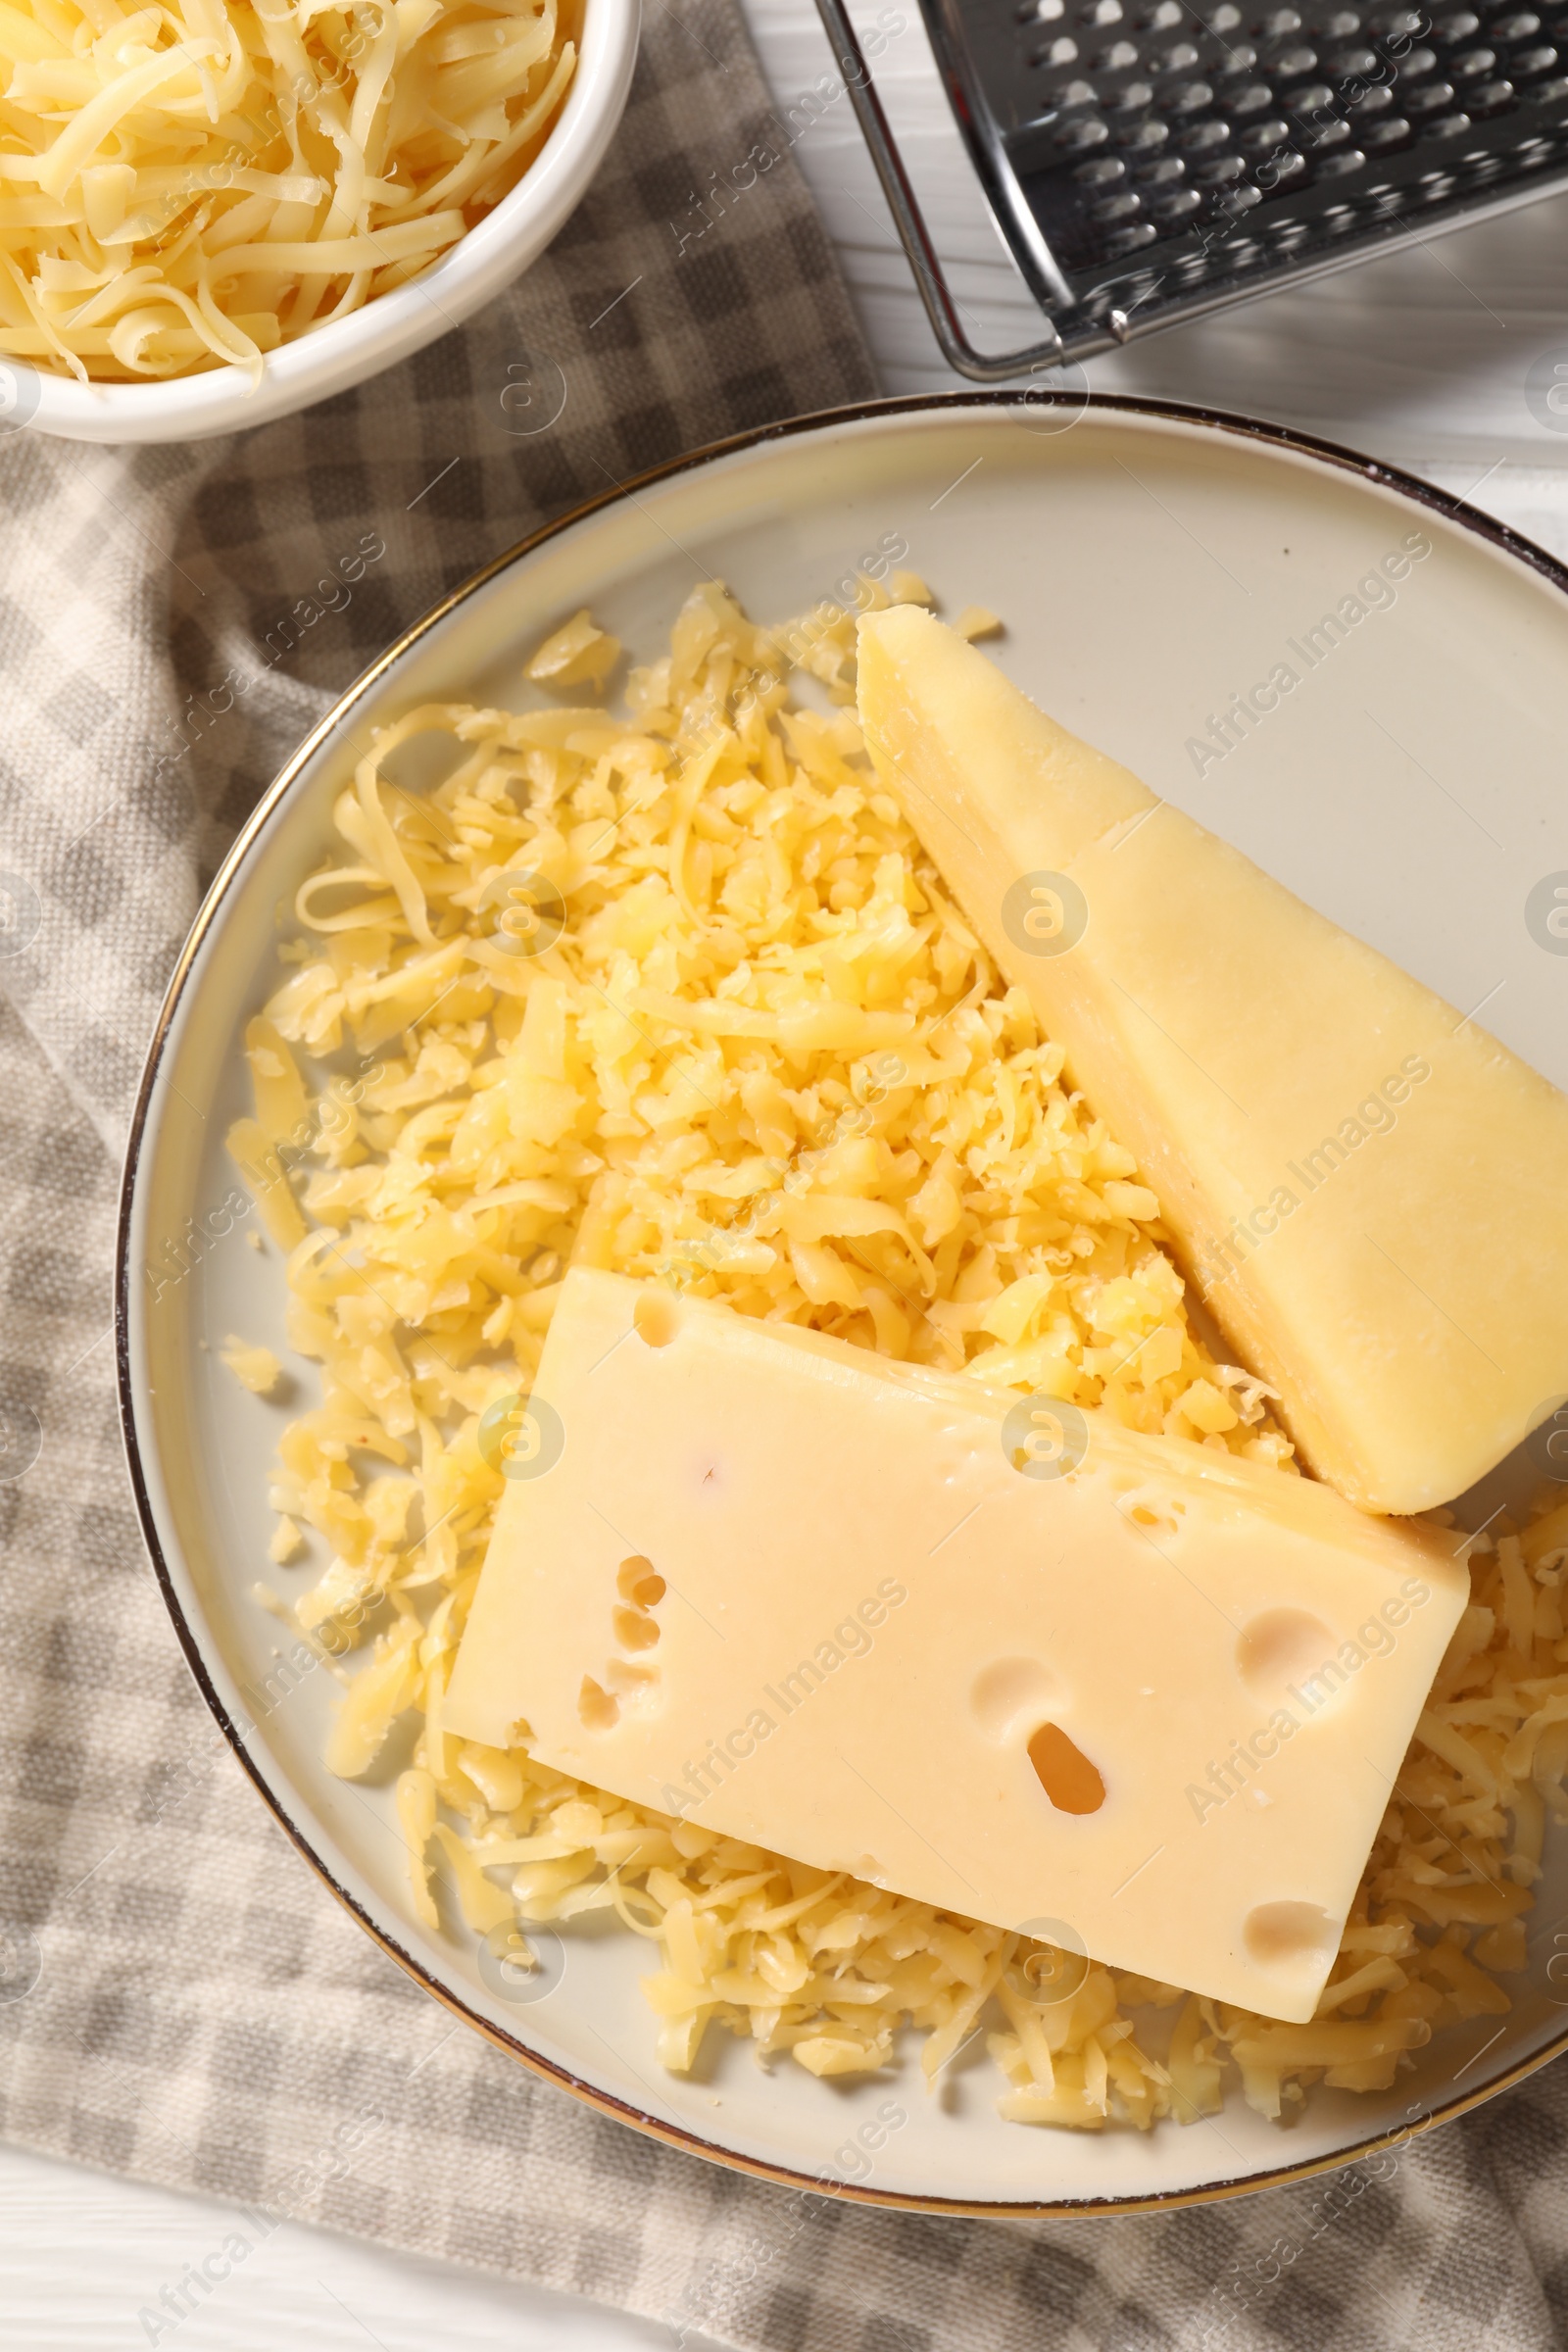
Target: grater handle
939	307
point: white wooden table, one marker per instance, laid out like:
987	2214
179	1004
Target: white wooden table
1421	361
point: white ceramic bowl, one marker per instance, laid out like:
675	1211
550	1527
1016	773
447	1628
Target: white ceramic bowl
1149	561
195	407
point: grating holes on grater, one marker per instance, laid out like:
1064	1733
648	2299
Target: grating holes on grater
1159	124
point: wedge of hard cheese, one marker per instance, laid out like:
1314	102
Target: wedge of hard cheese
1370	1192
1027	1666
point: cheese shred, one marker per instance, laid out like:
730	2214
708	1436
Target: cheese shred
189	184
676	992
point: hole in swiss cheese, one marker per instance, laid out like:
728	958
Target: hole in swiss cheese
638	1581
634	1627
1064	1772
656	1317
596	1709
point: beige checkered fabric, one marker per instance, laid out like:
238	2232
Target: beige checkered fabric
179	1999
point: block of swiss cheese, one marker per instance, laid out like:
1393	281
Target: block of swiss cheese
1371	1193
1019	1665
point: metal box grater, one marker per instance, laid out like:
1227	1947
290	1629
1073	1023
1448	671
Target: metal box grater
1146	160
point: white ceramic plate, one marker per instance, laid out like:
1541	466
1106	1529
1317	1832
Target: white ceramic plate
1150	564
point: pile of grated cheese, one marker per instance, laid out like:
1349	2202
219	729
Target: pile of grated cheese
190	184
677	993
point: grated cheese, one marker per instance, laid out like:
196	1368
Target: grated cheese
677	993
255	1368
192	183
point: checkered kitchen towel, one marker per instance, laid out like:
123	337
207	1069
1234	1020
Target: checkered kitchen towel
179	1999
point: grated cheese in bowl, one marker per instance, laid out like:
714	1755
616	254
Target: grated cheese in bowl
192	183
674	990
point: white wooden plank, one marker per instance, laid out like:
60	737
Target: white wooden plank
84	2255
